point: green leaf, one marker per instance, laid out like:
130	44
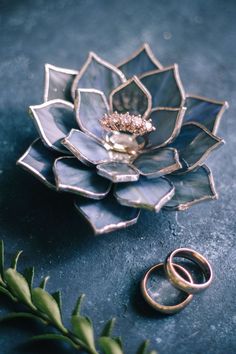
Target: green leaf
57	297
18	286
107	330
143	347
119	341
7	293
110	346
153	352
54	336
15	259
83	329
44	282
76	311
48	306
29	276
15	315
2	260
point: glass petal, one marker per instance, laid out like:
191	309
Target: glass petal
39	161
85	148
98	74
118	172
165	87
73	176
191	188
158	162
54	120
58	82
146	193
106	215
194	144
139	62
90	107
204	111
168	123
131	97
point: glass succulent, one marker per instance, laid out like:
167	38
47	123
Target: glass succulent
123	138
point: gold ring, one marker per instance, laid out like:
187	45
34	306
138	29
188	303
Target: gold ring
178	281
167	309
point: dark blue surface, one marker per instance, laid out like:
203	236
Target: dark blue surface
200	36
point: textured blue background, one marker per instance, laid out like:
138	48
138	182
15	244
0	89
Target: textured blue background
200	36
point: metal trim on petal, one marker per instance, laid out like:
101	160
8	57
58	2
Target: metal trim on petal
214	196
39	127
165	199
111	227
76	190
220	141
165	171
93	56
32	170
225	106
149	52
77	106
136	80
175	69
47	68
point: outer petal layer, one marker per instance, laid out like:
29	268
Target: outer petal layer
98	74
204	111
39	160
146	193
139	62
168	123
194	144
54	120
131	97
158	162
85	148
118	172
58	82
191	188
165	87
106	215
73	176
90	107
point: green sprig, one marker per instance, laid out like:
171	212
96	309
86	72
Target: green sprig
42	306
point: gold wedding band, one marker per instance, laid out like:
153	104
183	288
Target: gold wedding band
160	307
178	281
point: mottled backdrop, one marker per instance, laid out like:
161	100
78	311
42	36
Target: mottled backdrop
200	36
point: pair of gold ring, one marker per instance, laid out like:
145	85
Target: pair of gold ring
180	278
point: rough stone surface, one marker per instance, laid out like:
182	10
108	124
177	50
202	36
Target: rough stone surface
200	36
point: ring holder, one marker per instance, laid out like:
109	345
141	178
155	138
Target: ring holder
180	278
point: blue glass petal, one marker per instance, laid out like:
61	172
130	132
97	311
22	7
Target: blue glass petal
146	193
157	162
139	62
165	87
204	111
54	120
98	74
194	144
73	176
191	188
106	215
168	123
90	107
39	161
85	148
58	82
118	171
131	97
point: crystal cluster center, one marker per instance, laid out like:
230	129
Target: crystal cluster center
127	123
